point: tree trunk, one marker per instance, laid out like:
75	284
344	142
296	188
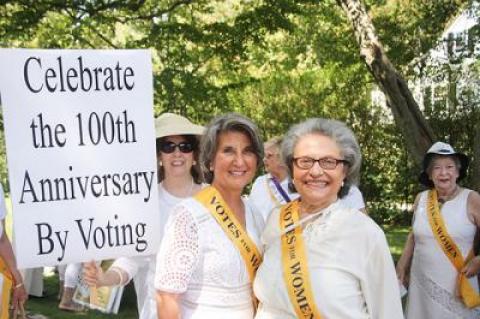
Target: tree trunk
406	113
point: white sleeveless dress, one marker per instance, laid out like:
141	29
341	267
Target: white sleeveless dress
433	277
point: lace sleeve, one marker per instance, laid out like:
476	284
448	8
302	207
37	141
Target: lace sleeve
178	254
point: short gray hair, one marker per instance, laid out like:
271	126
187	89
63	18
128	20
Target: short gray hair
230	122
339	133
275	141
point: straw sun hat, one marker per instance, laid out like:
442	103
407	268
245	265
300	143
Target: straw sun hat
440	148
169	124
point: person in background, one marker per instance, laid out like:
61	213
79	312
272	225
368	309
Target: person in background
209	254
19	295
272	190
179	178
438	264
70	281
323	259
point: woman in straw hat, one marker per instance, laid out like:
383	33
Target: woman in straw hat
210	250
438	257
179	178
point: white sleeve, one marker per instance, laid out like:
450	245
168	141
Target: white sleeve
354	198
179	252
380	284
131	265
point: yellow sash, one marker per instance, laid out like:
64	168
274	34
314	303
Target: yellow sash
467	294
294	260
213	201
6	287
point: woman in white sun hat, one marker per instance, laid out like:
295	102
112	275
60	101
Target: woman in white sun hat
438	261
177	142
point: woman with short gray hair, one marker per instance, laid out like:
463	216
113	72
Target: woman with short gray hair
325	259
210	252
338	132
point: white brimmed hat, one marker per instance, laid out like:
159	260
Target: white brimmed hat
169	124
441	148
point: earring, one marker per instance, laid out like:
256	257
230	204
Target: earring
194	163
160	163
343	183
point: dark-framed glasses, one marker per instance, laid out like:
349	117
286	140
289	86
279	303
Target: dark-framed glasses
327	163
169	147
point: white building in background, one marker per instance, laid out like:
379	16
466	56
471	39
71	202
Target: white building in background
445	77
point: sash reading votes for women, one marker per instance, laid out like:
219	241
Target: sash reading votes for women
468	295
295	266
213	201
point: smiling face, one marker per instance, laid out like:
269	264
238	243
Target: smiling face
273	163
234	163
176	164
318	187
444	172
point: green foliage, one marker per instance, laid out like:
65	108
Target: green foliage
276	61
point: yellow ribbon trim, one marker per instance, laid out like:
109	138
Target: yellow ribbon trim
294	260
467	294
214	203
5	289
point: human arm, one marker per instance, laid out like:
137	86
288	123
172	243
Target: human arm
168	305
176	261
20	294
96	277
403	264
472	268
405	260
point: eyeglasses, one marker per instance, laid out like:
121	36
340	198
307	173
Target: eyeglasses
169	147
327	163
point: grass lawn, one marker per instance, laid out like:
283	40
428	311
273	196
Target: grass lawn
396	237
48	305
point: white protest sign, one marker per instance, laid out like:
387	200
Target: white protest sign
81	154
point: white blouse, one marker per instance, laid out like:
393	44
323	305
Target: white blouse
197	259
351	270
142	268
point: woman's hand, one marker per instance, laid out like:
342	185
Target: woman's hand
20	294
93	274
472	268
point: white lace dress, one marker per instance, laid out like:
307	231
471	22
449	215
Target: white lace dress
198	261
433	277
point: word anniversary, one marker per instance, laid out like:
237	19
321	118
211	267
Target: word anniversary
87	186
